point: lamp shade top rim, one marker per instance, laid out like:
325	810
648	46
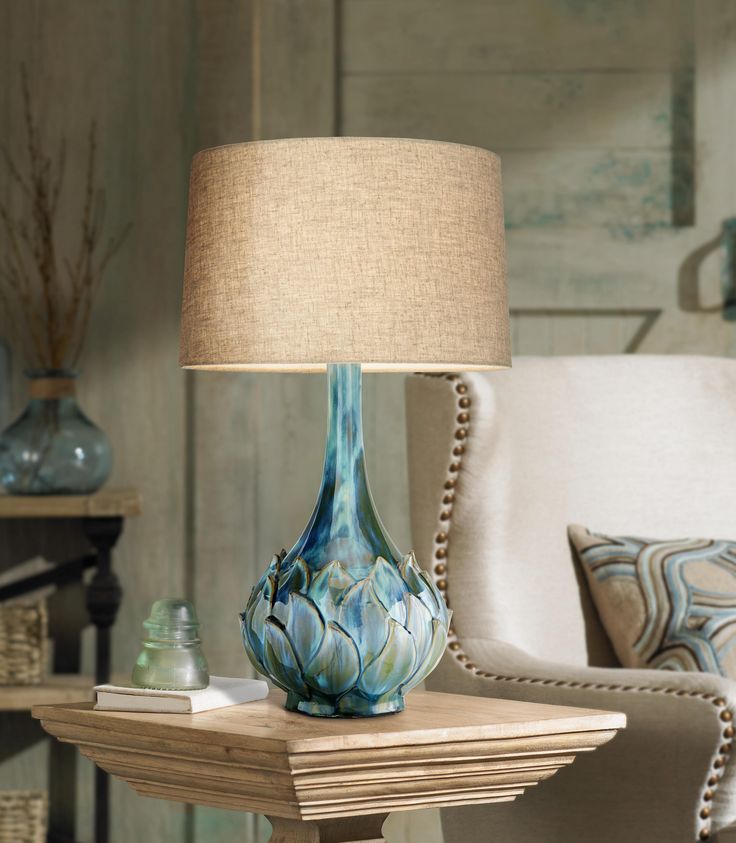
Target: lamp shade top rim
328	140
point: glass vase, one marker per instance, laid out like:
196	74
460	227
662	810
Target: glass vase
53	448
344	622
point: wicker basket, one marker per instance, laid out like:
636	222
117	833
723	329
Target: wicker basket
23	633
23	816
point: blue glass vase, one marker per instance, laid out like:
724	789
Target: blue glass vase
53	448
343	622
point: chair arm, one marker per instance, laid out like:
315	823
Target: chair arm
667	776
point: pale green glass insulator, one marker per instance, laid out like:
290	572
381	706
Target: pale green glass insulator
172	657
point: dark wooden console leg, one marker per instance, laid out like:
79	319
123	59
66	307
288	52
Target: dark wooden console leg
365	829
68	619
104	595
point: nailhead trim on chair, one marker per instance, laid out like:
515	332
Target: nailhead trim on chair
440	573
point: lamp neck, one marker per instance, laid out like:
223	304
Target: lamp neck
344	525
344	465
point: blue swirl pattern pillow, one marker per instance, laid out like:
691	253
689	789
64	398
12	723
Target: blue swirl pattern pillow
664	604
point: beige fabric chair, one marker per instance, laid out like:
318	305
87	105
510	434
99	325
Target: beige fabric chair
500	463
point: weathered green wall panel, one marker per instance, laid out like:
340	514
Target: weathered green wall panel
590	104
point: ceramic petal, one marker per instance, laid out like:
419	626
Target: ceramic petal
436	649
304	626
393	664
280	611
280	659
410	572
259	586
432	598
423	587
389	588
295	579
364	618
328	587
260	609
252	649
336	666
256	614
419	624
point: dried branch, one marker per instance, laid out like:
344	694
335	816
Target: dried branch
8	286
46	310
20	283
14	172
113	247
60	167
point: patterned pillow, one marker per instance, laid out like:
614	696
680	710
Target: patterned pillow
666	604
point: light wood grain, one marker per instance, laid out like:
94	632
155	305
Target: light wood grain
103	504
521	110
581	146
296	76
222	412
222	406
140	69
59	688
588	188
443	750
129	66
429	719
504	35
348	830
282	417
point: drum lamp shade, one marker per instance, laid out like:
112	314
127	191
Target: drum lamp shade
379	251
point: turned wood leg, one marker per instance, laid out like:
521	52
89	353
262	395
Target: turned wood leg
103	601
343	830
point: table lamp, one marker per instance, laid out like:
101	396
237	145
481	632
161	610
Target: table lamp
340	253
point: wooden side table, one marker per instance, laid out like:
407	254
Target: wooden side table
101	517
330	780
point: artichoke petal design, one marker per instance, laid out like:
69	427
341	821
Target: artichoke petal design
341	645
336	666
396	659
280	658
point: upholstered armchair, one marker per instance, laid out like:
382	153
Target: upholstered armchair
500	464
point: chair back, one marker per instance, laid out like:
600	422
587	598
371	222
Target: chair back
500	463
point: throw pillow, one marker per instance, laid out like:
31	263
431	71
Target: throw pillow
664	604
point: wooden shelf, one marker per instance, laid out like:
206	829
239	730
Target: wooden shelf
107	503
59	688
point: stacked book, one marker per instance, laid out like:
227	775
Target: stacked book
222	691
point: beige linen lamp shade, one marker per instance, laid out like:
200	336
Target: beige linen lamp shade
380	251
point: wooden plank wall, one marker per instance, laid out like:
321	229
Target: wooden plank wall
127	65
583	115
614	209
610	121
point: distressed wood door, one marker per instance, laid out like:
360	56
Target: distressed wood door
615	127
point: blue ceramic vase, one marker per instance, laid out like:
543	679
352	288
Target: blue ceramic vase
53	448
343	622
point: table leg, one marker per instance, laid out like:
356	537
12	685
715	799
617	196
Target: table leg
365	829
103	601
104	593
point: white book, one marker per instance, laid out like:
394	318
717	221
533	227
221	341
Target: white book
222	691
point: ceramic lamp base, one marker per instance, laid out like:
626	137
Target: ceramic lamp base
347	707
343	646
344	623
